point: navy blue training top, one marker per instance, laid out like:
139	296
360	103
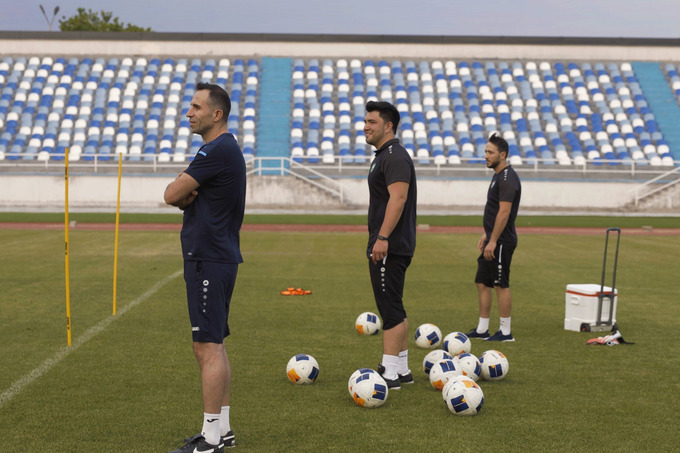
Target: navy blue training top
212	222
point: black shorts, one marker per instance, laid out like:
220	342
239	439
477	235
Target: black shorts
387	278
209	289
497	271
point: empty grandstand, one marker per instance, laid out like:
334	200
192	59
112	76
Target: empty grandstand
563	115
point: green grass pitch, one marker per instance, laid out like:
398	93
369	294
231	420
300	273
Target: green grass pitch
134	384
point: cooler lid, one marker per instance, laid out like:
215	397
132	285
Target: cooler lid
589	289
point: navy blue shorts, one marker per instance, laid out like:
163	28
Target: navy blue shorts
497	271
388	287
209	289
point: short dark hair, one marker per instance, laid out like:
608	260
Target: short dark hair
500	143
218	98
387	112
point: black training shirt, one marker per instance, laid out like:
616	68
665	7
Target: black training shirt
392	164
505	186
212	222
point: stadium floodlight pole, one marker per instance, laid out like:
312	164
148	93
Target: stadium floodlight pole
115	250
66	261
49	22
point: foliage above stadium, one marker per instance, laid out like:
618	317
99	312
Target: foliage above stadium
92	21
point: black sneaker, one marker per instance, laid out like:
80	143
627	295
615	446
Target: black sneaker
406	378
198	444
394	384
498	336
473	334
229	440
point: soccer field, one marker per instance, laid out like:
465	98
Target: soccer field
130	382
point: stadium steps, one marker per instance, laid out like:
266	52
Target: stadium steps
274	115
661	101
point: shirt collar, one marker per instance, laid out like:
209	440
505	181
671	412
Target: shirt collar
387	144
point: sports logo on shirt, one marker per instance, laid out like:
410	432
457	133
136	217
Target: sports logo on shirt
372	167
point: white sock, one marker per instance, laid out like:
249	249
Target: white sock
402	365
224	421
391	363
211	428
483	325
505	326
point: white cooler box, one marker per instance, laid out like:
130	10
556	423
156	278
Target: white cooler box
581	307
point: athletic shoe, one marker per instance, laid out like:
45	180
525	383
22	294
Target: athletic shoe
498	336
406	378
194	441
392	384
473	334
228	440
198	444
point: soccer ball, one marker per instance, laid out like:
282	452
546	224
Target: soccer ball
302	369
434	357
368	323
463	396
469	365
441	372
456	343
428	336
495	365
370	390
355	375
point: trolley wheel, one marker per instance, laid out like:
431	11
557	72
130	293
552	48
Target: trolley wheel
585	327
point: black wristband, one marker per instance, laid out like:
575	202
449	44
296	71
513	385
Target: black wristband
382	238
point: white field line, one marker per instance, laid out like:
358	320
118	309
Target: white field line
48	364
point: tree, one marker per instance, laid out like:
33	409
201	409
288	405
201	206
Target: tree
92	21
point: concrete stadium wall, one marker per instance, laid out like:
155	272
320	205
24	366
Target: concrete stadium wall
335	46
145	194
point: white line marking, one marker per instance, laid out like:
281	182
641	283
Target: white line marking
48	364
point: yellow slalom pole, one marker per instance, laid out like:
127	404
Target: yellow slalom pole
66	263
115	252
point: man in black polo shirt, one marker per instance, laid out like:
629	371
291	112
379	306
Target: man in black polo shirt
211	192
498	242
391	235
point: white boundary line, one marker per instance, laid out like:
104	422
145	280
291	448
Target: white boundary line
48	364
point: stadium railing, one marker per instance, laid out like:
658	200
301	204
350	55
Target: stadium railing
153	164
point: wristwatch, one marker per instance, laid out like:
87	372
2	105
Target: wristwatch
382	238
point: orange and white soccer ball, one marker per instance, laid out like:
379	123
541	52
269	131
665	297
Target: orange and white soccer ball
368	323
495	365
302	369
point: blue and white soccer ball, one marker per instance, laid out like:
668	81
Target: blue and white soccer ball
368	323
302	369
469	365
456	343
428	336
442	371
355	375
495	365
434	357
370	390
463	396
